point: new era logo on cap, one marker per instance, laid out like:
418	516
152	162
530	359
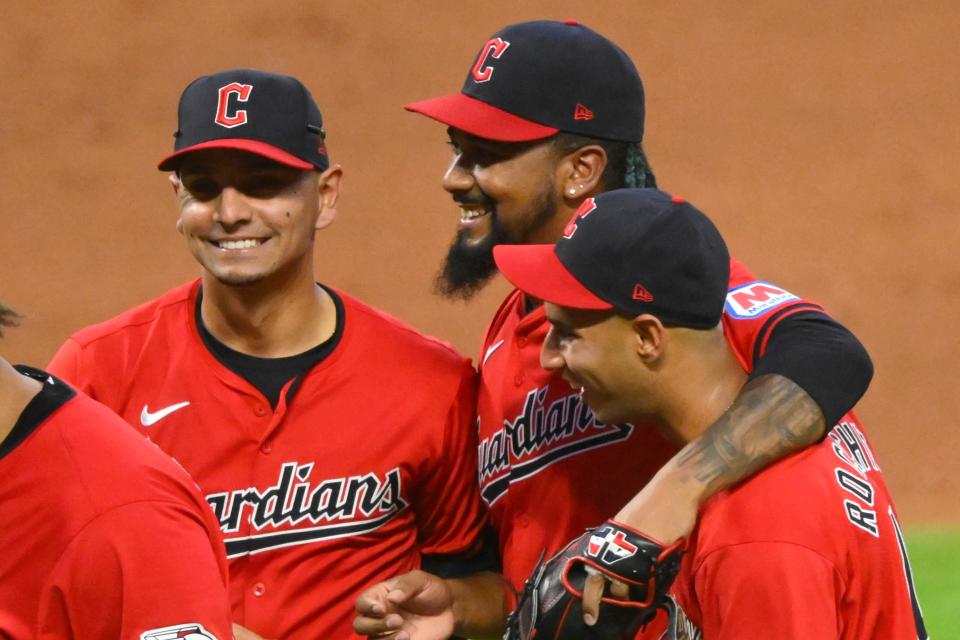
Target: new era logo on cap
254	111
634	250
533	79
581	112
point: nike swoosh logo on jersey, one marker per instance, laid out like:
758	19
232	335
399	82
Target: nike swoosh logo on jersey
148	418
490	350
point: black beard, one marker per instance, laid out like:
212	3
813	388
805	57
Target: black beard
467	269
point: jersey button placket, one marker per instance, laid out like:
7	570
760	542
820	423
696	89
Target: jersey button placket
260	410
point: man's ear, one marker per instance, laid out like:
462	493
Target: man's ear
580	172
177	186
328	190
649	334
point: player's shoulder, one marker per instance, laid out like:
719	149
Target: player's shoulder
750	298
380	330
112	463
172	304
793	501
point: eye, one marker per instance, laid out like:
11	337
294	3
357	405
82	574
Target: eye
265	185
563	333
202	189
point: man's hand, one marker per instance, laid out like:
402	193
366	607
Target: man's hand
665	510
413	606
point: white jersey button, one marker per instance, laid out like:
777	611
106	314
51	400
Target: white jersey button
259	589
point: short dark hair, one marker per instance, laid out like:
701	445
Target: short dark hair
627	164
8	317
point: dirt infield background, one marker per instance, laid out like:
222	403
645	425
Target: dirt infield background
823	138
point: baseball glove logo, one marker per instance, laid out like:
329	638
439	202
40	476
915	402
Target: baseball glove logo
188	631
610	546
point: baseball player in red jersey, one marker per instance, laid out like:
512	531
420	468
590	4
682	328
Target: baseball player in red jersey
104	537
335	445
551	114
809	547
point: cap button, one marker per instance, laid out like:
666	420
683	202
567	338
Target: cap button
570	22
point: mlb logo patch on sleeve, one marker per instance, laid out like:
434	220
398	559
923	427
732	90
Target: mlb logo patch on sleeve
188	631
755	299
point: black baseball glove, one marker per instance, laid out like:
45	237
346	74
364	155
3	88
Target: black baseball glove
550	606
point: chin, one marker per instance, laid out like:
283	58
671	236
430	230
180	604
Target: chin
608	415
237	279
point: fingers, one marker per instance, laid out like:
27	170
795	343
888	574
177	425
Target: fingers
593	588
592	593
373	601
619	590
379	627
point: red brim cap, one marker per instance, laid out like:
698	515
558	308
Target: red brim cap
171	162
480	119
537	271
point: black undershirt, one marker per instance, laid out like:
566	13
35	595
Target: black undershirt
269	375
53	396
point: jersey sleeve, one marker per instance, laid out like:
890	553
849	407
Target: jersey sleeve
776	332
144	570
450	515
739	586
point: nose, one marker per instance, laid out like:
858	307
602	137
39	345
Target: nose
232	208
458	178
550	357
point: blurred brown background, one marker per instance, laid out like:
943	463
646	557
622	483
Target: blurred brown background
822	137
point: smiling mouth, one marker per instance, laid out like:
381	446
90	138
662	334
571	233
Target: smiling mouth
470	214
237	245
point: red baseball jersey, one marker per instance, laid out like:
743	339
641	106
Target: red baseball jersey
367	462
808	548
104	536
548	469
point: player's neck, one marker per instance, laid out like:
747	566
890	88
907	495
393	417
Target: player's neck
268	319
703	381
16	391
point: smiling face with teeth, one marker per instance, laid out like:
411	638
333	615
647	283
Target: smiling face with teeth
506	193
248	219
597	353
510	193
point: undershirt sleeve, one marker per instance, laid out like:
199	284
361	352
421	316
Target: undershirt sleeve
136	568
461	565
768	590
821	356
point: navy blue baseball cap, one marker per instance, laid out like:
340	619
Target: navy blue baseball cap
534	79
634	250
264	113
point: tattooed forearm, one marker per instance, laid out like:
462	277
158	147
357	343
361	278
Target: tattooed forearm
771	418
